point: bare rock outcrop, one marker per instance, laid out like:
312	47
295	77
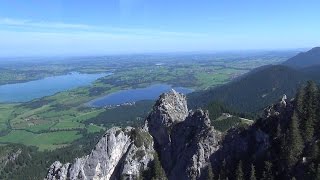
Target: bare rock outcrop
169	109
184	140
115	156
278	108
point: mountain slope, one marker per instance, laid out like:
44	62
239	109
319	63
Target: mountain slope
262	86
304	59
255	90
313	72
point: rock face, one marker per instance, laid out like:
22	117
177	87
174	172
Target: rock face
185	143
254	141
170	109
278	108
184	140
117	155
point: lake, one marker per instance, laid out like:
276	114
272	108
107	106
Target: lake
132	95
22	92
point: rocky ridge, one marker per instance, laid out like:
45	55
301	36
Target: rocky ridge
184	140
117	154
255	142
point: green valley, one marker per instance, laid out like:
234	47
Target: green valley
66	115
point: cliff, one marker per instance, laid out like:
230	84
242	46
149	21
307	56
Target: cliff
183	139
119	153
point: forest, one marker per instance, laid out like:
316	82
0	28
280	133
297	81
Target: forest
293	152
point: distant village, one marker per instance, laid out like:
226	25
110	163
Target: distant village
118	105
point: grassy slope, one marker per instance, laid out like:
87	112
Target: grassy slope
5	112
44	141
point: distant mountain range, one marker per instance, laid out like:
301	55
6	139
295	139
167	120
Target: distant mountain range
305	59
264	85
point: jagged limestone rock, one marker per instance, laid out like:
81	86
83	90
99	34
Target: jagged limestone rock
9	157
168	110
278	108
283	102
193	142
58	171
139	156
185	140
114	156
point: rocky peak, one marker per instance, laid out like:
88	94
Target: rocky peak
168	110
184	140
173	105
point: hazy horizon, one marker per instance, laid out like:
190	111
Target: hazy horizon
76	28
240	52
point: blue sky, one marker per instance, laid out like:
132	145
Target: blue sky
81	27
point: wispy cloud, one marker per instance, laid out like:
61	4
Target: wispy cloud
41	24
28	37
55	27
12	22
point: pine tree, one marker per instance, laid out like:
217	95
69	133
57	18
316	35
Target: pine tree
253	173
299	102
210	175
239	172
278	130
294	141
314	152
310	108
311	171
267	172
223	173
158	172
318	173
318	110
283	146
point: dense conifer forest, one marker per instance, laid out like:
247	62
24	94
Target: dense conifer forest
293	152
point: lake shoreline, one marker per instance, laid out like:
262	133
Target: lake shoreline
31	90
129	96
